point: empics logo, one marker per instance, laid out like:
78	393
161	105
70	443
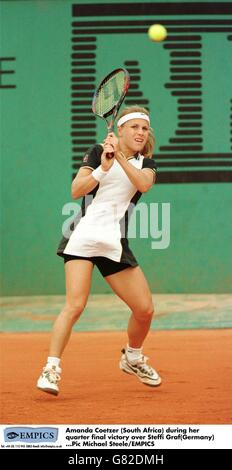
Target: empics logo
27	434
12	435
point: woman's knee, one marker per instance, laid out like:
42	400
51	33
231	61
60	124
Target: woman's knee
74	309
144	313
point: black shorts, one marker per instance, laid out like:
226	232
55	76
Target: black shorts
106	266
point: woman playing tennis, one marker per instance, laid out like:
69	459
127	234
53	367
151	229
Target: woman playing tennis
108	186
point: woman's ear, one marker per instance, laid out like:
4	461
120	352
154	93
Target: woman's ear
119	131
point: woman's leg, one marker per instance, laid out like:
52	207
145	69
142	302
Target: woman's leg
131	286
78	281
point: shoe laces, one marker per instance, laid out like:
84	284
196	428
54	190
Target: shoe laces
51	374
144	367
141	364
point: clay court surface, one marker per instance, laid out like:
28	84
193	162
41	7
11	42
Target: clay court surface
196	367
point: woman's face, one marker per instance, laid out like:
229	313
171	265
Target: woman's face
133	135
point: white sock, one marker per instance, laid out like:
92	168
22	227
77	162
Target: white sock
53	361
133	354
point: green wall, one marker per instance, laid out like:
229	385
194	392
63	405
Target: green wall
36	150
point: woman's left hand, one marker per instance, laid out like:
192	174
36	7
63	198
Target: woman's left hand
112	140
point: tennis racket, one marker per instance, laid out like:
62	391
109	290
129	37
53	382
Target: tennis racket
109	96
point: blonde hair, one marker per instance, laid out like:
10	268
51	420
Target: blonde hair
149	147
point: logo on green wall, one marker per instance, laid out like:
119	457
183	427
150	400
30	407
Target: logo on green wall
184	81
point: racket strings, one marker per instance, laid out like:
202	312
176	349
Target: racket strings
110	93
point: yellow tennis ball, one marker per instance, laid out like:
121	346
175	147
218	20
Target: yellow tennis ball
157	32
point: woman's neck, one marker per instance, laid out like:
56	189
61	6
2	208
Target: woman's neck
127	153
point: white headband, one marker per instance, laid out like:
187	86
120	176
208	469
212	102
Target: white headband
130	116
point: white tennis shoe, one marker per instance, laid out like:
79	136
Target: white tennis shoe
48	380
141	369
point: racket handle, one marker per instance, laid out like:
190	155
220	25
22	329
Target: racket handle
111	154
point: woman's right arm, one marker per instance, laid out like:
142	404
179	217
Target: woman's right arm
83	183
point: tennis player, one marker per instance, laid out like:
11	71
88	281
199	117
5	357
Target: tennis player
108	186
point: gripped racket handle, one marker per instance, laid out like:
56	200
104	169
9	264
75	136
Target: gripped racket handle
110	155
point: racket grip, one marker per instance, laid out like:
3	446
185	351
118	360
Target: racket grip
110	155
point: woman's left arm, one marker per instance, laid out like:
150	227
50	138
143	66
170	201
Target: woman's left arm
141	179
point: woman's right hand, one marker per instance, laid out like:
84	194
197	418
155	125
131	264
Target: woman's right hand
107	163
